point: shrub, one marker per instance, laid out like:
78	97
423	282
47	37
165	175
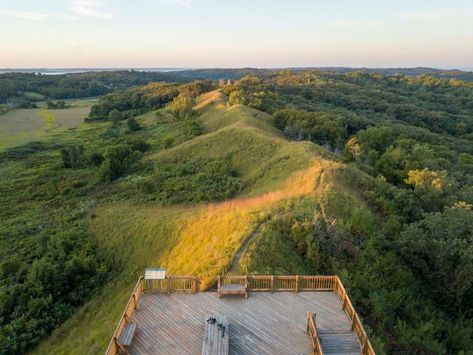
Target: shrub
118	159
72	156
132	125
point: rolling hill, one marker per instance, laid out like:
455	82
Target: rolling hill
203	239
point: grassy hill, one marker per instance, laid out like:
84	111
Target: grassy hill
203	239
201	185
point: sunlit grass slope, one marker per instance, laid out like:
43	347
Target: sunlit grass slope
199	240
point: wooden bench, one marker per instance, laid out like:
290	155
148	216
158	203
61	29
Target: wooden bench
216	335
232	289
126	337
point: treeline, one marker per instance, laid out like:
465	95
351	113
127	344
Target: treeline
127	103
77	85
414	136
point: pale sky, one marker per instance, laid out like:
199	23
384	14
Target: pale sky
236	33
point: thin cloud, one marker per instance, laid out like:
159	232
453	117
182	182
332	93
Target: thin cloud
186	3
37	15
89	8
24	15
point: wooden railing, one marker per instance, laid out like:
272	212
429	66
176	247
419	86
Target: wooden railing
187	284
170	284
114	347
282	283
314	336
356	325
190	284
306	283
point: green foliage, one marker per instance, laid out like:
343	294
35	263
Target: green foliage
195	181
182	105
321	127
118	160
440	248
72	156
60	104
78	85
192	128
132	125
139	100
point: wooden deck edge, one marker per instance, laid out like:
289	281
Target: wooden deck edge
190	284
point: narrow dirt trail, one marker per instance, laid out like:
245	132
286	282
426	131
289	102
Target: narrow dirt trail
243	248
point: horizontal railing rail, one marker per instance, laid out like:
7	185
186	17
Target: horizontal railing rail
314	336
366	347
173	284
294	283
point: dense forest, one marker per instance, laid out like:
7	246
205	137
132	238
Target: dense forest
24	89
28	86
405	255
412	275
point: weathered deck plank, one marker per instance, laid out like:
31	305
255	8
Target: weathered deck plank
265	323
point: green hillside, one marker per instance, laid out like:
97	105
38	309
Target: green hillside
199	240
292	173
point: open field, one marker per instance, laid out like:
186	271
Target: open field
21	126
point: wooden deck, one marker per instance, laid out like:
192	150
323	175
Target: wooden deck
265	323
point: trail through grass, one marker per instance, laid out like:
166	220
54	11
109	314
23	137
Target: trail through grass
200	240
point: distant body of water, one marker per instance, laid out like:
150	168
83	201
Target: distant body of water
59	71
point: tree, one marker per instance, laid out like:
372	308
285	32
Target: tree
182	105
117	160
114	116
440	248
132	125
72	156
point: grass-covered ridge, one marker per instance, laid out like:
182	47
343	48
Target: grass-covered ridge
201	239
203	184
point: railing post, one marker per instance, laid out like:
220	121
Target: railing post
365	343
272	283
297	283
353	320
169	284
135	303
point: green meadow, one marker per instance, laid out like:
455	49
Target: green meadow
20	126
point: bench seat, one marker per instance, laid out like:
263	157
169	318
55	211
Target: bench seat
232	289
127	334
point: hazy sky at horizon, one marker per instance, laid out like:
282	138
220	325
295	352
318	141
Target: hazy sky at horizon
236	33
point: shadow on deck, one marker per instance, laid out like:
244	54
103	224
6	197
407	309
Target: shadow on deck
265	323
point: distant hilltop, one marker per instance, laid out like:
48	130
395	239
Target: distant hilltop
237	73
